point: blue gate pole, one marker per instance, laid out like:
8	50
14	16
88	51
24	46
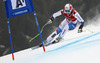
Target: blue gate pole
39	31
38	26
10	38
9	29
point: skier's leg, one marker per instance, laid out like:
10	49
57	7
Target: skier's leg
65	29
70	26
61	26
50	38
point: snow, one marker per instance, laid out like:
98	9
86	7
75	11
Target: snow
74	48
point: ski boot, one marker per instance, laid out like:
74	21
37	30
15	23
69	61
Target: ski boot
57	40
45	43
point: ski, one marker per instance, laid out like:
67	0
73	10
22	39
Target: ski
40	45
48	44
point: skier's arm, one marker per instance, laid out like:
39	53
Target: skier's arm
54	16
79	18
57	14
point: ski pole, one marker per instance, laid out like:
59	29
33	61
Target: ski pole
38	33
89	30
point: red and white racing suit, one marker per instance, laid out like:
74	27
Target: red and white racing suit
69	23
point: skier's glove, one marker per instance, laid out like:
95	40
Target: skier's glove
50	20
80	30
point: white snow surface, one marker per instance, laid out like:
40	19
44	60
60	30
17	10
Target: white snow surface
74	48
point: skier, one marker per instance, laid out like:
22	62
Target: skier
69	23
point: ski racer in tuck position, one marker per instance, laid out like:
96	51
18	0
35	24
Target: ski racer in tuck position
69	23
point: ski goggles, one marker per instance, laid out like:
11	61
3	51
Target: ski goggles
67	11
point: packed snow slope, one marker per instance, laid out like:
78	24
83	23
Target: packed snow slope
74	48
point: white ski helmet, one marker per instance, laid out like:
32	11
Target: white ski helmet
68	8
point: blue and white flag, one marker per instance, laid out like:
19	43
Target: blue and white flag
18	7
